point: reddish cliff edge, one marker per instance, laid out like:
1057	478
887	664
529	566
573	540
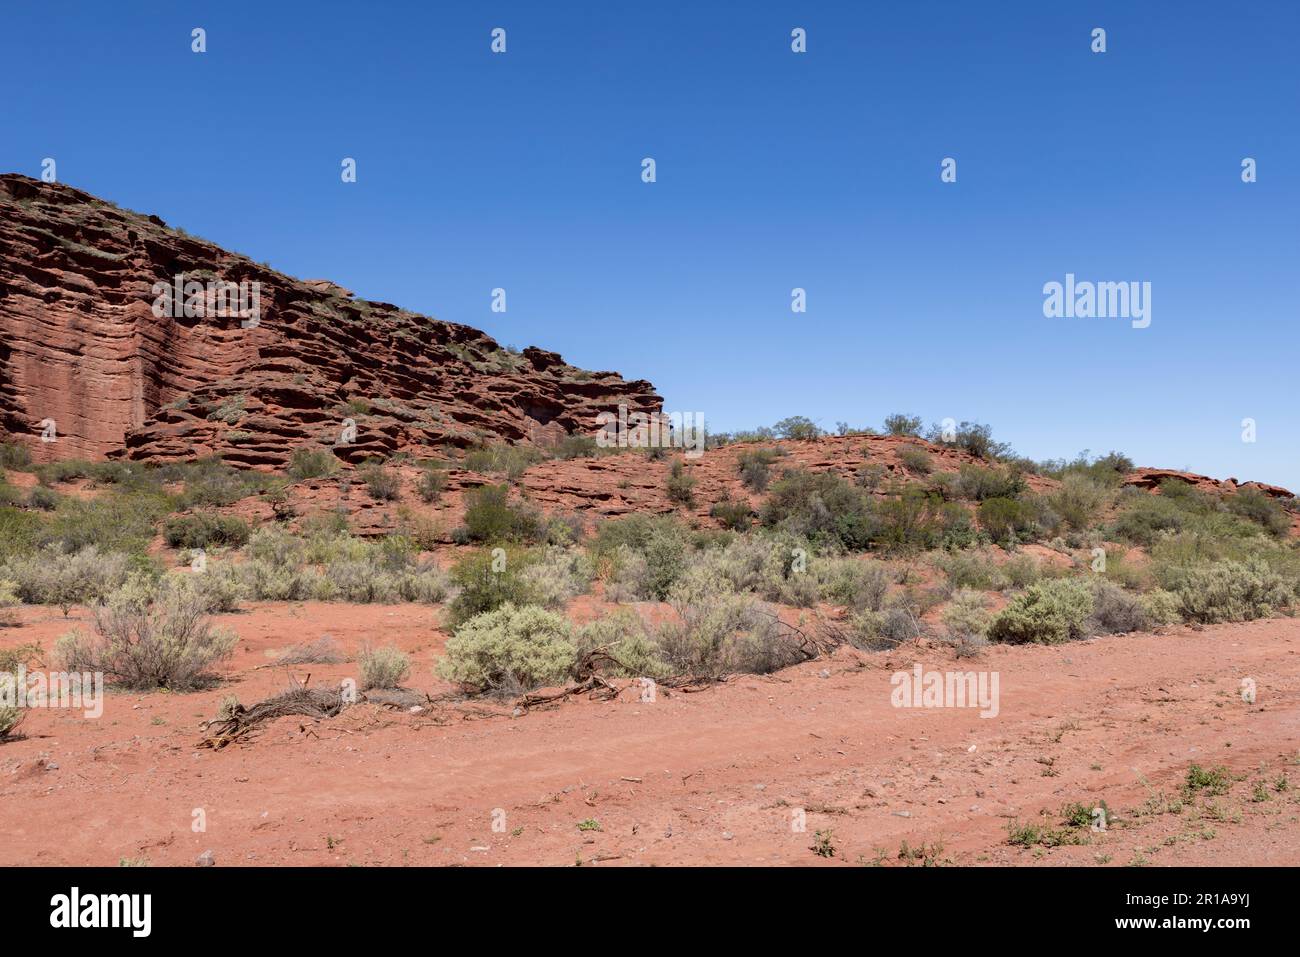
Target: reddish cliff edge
80	345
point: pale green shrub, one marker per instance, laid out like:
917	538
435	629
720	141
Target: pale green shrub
383	667
1047	612
509	649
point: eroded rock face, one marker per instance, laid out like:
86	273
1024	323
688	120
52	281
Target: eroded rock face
1150	479
81	346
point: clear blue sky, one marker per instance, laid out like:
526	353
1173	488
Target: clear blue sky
775	170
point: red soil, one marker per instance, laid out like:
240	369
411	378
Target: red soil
711	777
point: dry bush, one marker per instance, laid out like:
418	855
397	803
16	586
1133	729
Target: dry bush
383	667
559	575
150	635
730	633
323	651
56	577
509	649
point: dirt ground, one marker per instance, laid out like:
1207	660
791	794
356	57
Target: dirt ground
720	776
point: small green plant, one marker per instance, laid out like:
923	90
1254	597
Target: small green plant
1047	612
823	844
431	485
916	460
383	667
204	529
384	485
590	824
309	463
509	649
681	486
1207	781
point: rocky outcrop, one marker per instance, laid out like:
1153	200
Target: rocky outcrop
1150	479
81	347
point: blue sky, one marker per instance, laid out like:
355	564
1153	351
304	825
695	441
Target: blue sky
775	170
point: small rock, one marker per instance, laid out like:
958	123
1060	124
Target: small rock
517	712
902	814
824	673
206	859
760	787
727	835
51	766
414	709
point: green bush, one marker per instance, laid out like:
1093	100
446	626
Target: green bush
150	635
916	459
1048	612
899	424
1262	509
971	569
820	507
15	456
754	466
977	483
1229	591
432	483
1079	500
44	498
557	576
681	486
623	647
490	517
204	529
734	515
576	446
727	634
508	460
486	581
55	577
1007	520
383	667
973	438
384	485
967	616
508	650
310	463
797	427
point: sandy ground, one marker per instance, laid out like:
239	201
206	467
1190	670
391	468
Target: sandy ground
721	776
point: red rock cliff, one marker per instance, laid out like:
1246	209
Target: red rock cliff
80	345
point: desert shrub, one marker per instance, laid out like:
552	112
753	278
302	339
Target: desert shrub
384	667
276	545
9	600
382	484
1107	470
1048	612
309	463
978	483
43	498
265	580
211	483
869	476
64	470
15	456
557	576
732	514
500	459
886	628
490	517
681	486
971	569
323	651
486	581
822	508
55	577
1262	509
10	496
204	529
1007	520
10	718
909	516
118	521
576	446
899	424
856	584
1146	516
1162	607
729	634
360	582
797	427
150	635
1229	591
1079	500
509	649
431	485
425	582
967	616
916	459
1021	571
221	586
564	528
622	637
754	466
1115	611
973	438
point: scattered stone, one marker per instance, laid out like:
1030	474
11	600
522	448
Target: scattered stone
206	859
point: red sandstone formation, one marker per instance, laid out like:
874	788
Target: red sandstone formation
80	344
